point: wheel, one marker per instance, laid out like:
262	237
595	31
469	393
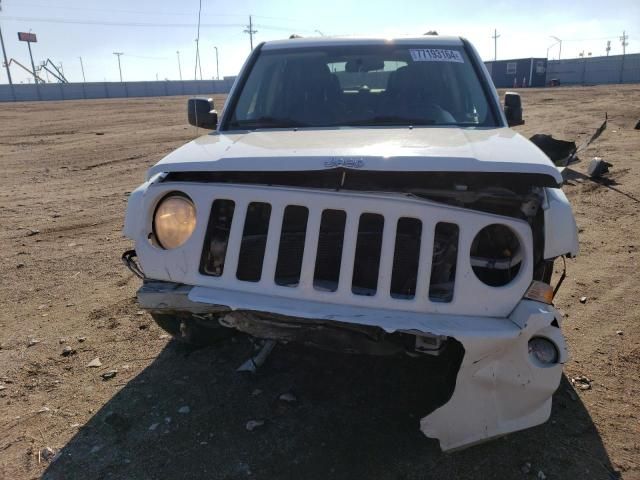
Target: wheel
194	331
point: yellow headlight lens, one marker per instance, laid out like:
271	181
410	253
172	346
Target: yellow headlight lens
174	221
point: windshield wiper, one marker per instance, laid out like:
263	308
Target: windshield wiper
268	122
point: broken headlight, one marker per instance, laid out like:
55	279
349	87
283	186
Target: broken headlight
174	220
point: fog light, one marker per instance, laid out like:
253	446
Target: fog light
543	351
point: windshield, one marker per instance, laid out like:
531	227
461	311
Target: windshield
361	85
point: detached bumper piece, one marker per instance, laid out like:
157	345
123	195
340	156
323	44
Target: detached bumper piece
500	387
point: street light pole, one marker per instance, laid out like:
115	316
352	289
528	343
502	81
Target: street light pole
33	65
119	54
217	67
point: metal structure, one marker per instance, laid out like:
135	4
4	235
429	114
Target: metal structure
119	54
596	70
30	38
58	74
90	90
30	72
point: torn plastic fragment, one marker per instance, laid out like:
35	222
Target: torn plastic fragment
256	362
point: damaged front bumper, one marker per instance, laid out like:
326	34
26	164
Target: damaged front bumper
499	387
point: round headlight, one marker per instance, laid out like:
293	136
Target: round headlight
174	221
543	351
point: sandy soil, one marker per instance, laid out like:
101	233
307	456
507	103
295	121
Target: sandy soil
66	170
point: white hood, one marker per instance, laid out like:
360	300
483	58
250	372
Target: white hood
398	149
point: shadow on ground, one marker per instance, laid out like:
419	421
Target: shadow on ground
355	417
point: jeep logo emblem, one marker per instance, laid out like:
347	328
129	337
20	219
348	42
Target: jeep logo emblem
336	162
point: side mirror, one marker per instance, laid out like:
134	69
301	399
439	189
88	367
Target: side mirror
201	113
513	109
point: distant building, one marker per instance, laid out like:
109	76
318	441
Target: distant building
520	72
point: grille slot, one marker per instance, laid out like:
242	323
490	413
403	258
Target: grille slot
254	242
329	255
406	257
443	262
366	263
217	238
291	248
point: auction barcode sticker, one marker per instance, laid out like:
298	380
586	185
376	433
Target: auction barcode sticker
435	55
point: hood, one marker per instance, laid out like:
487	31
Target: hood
397	149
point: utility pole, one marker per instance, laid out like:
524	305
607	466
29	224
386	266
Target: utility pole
84	79
495	44
195	73
179	66
217	67
250	31
4	53
608	47
119	54
623	40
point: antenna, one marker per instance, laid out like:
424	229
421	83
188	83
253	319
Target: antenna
495	44
250	31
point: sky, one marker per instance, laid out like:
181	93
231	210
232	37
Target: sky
151	32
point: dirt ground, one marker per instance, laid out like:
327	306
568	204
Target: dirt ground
66	169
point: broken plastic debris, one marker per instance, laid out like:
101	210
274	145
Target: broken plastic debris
288	397
253	424
256	362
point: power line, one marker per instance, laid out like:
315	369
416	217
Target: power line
122	24
154	12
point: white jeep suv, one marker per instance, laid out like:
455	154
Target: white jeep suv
368	196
